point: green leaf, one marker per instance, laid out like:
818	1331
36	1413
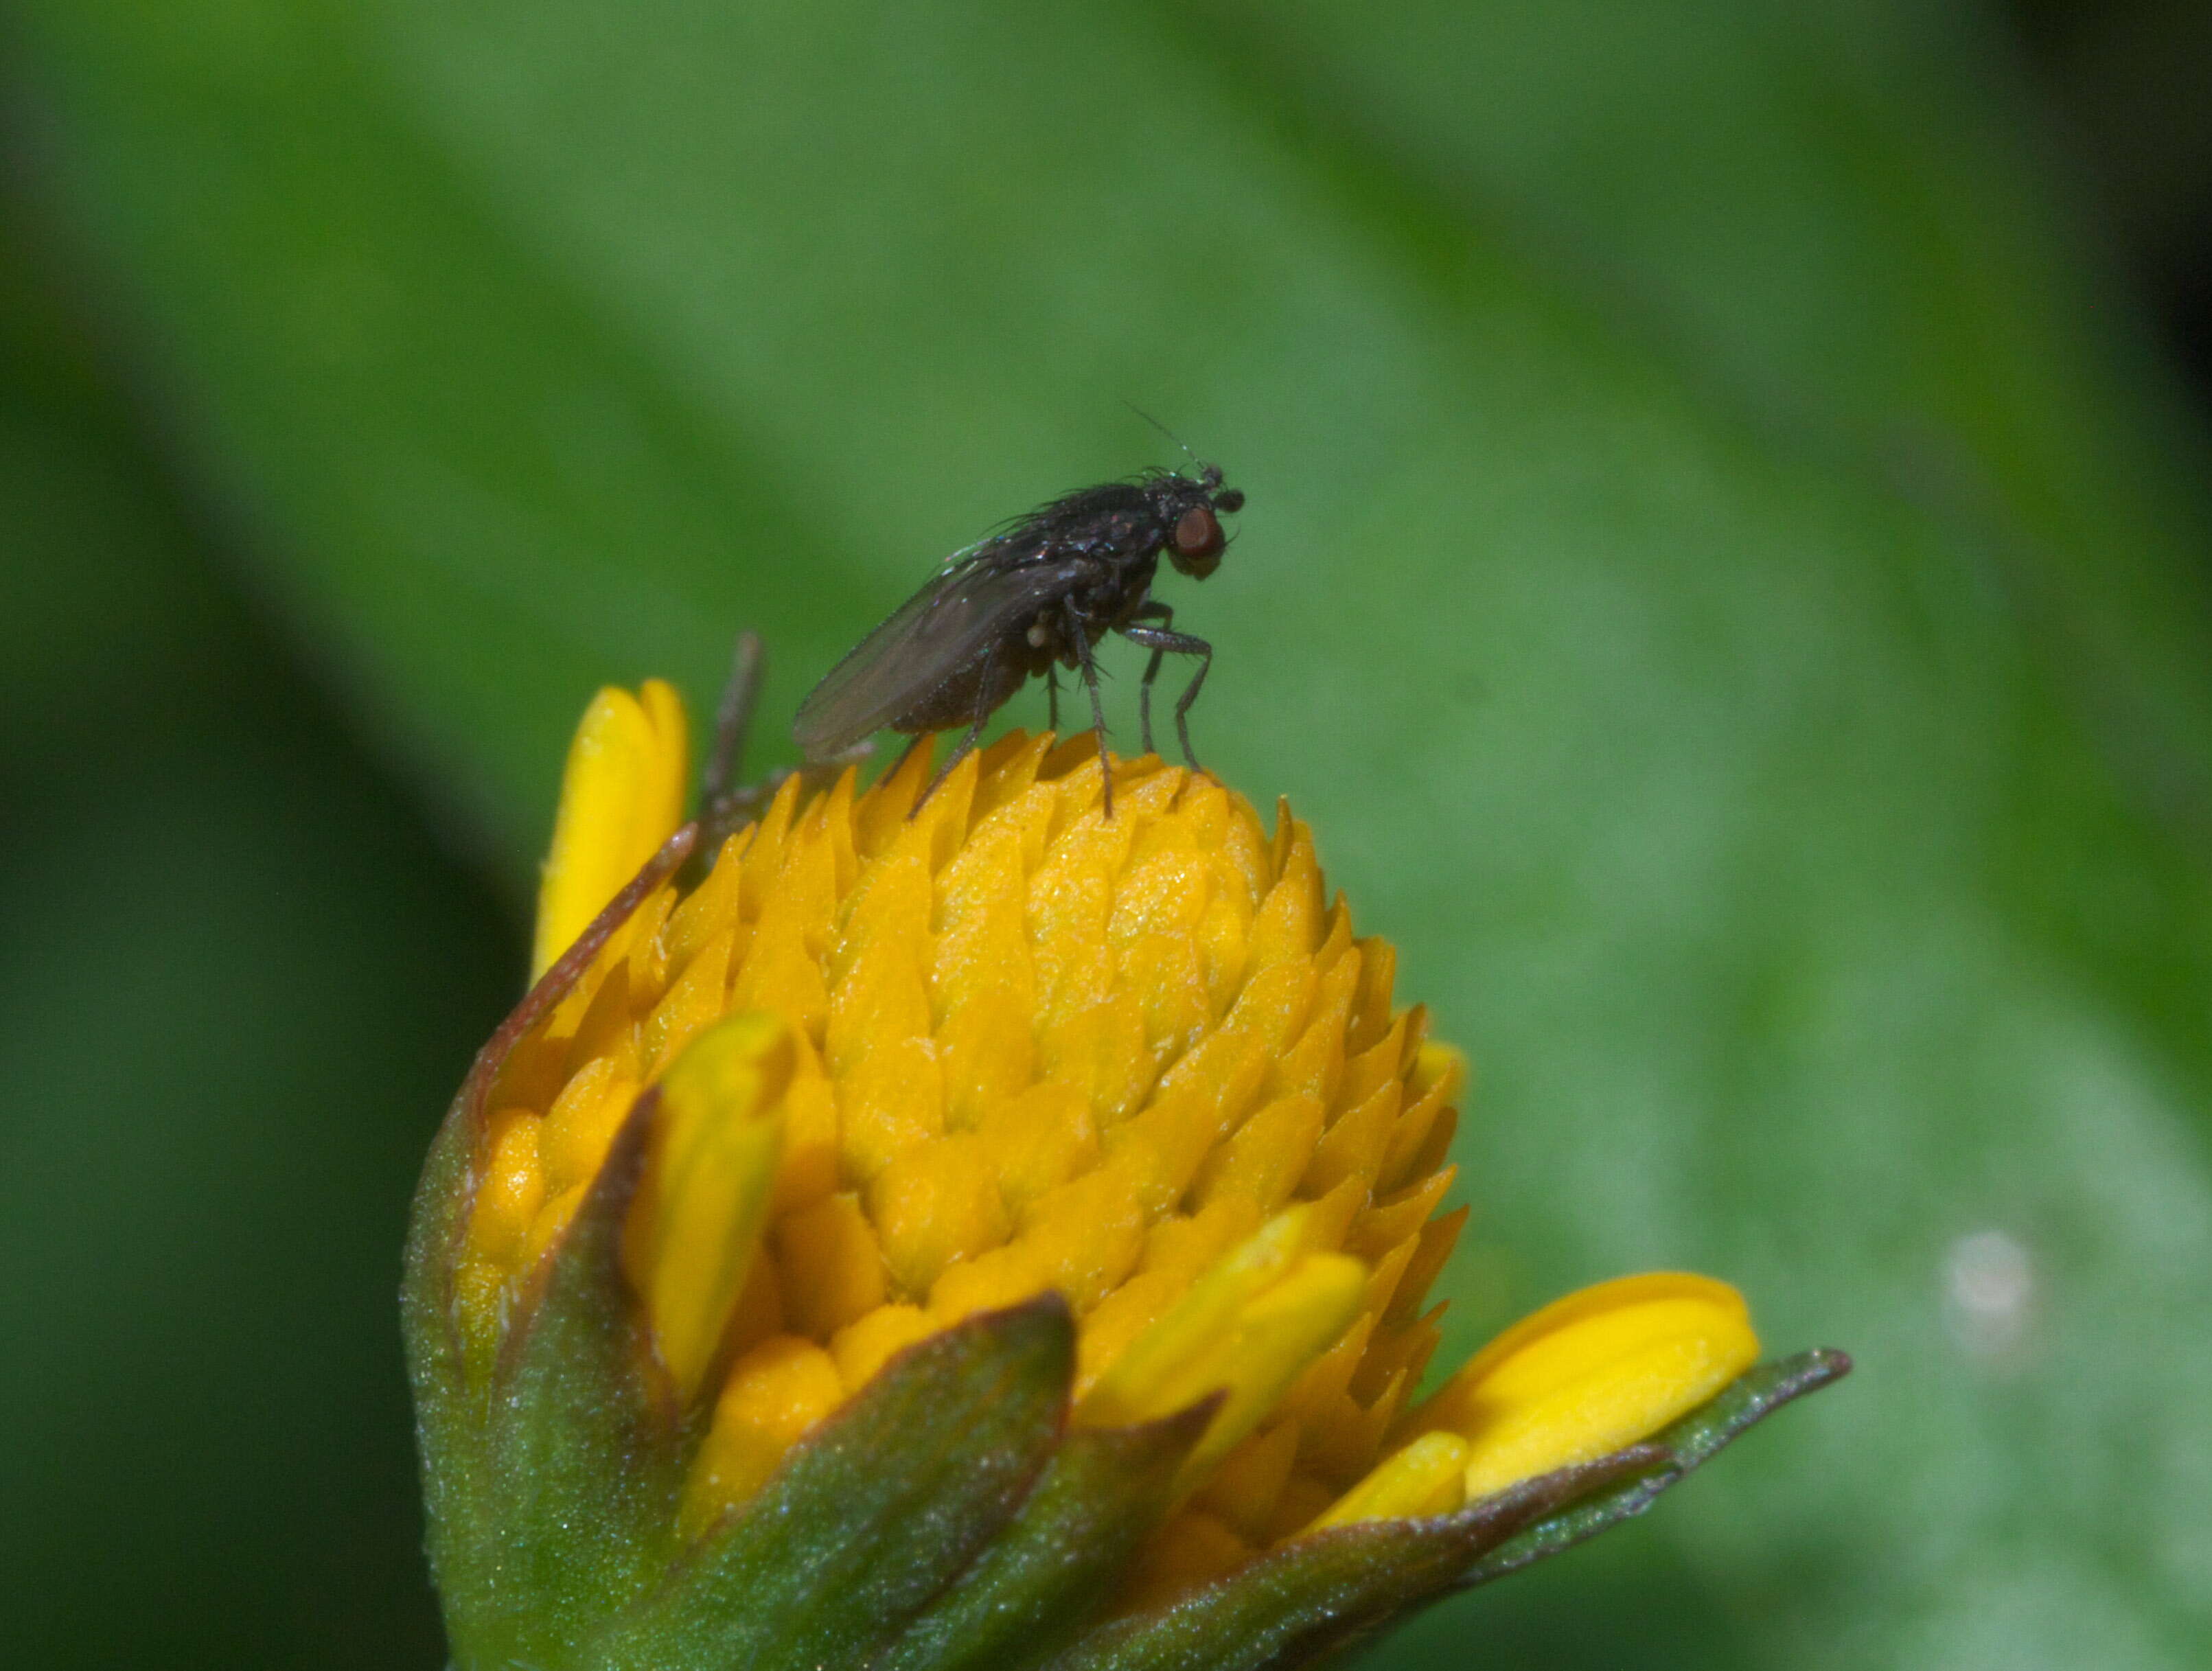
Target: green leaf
238	979
1720	578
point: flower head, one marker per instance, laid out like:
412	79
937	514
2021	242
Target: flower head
1110	1128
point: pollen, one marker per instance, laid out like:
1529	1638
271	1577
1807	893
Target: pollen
997	1044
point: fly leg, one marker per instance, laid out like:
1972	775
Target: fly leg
905	755
1052	698
732	719
1097	704
1150	609
1161	641
984	687
726	805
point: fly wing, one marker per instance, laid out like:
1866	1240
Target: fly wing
932	635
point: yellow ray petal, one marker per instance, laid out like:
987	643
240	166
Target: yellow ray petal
1246	1329
775	1394
709	1175
1164	1369
1427	1477
1590	1373
1277	1336
621	796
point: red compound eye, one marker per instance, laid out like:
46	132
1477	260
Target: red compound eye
1198	533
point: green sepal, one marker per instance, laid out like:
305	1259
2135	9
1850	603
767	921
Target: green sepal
1317	1595
541	1472
438	1220
873	1514
580	1457
1106	1491
444	1435
1313	1594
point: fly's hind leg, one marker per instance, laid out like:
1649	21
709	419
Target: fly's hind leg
732	719
1090	665
1161	642
984	687
1052	698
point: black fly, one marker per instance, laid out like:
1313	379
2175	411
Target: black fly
1042	594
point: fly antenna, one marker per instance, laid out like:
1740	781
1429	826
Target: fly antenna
1169	432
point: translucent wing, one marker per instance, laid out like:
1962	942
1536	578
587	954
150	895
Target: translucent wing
933	634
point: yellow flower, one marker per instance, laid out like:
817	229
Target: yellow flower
909	1065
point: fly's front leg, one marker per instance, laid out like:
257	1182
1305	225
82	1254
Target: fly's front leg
1160	641
1150	609
1090	667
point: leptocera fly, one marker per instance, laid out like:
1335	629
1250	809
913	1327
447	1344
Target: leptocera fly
1037	597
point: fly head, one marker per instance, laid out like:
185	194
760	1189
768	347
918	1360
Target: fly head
1196	540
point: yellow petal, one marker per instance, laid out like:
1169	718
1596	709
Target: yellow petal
1427	1477
709	1175
835	1265
621	796
1593	1372
776	1393
1277	1337
513	1187
1154	1377
1247	1328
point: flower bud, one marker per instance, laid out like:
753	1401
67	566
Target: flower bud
972	1229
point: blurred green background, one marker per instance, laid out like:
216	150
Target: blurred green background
1726	576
